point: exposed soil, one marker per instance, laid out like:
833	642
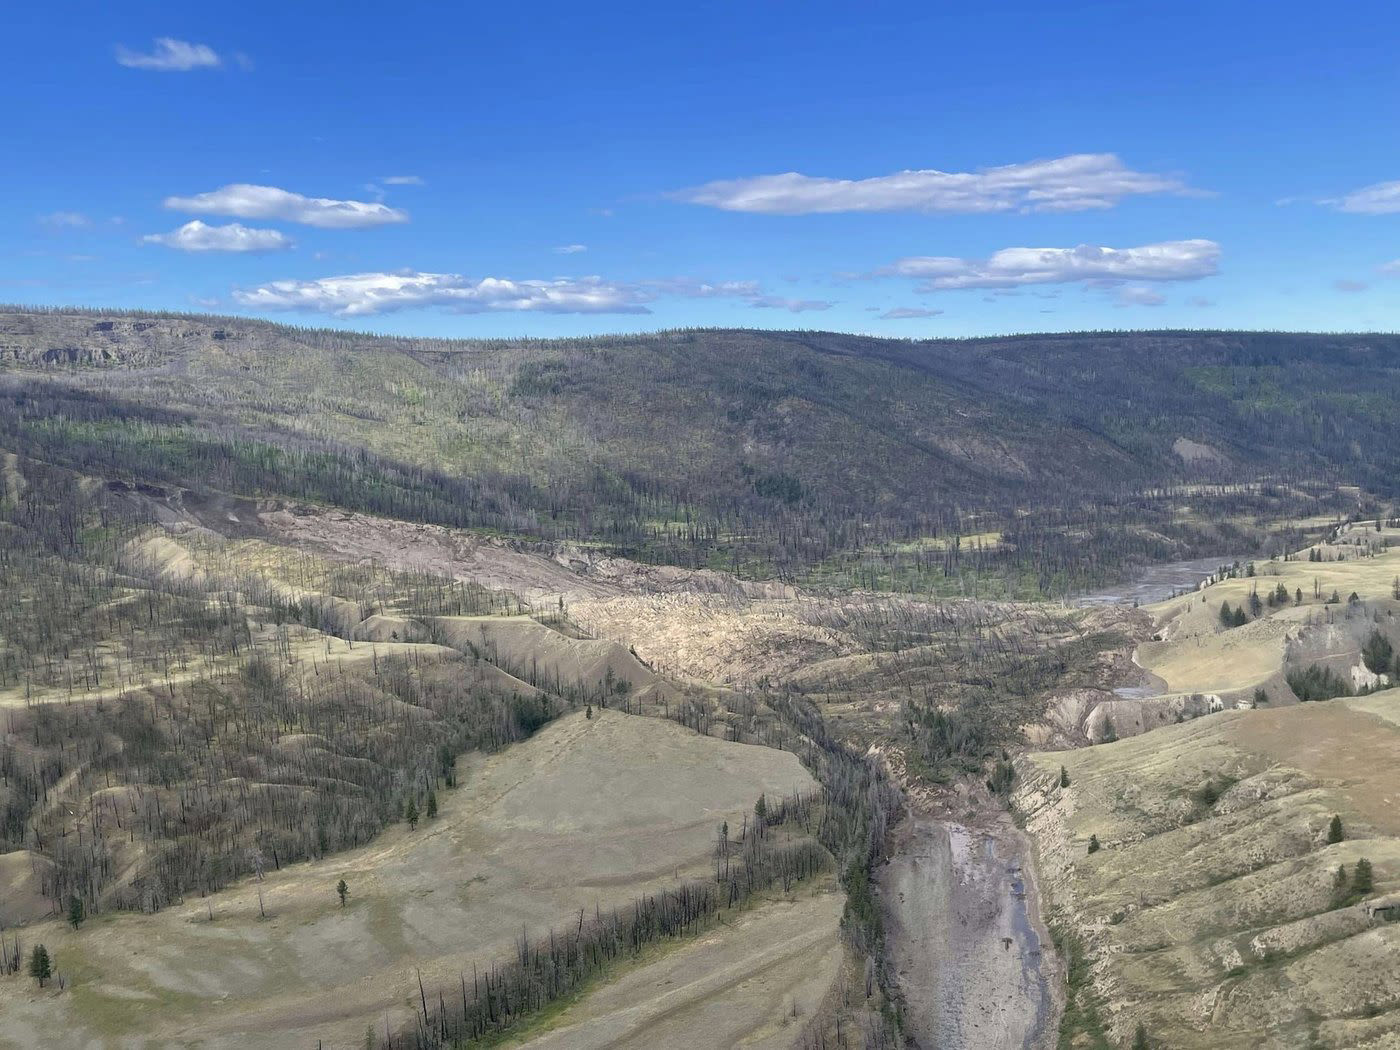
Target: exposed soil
971	954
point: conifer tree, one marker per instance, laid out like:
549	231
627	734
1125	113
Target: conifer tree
1363	878
76	913
40	965
342	891
1334	830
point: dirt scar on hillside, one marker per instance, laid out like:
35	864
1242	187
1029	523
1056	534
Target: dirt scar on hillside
964	940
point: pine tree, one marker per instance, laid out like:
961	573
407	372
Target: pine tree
432	804
1064	777
1334	831
76	914
1093	843
40	965
342	891
410	814
760	809
1363	879
1140	1039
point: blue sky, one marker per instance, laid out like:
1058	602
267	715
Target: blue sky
553	169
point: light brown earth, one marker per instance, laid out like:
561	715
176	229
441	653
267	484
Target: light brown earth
589	812
754	983
1215	925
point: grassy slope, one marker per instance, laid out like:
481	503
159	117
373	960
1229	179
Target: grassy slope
1211	914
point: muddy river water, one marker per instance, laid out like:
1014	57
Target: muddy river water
966	940
1156	583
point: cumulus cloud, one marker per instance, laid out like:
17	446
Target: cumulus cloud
172	56
195	236
905	313
1013	267
1381	198
363	294
244	201
1078	182
570	249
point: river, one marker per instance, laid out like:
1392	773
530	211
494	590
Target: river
1156	583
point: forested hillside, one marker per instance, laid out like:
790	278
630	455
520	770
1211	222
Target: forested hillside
1031	464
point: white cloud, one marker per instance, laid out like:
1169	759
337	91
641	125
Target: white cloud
1013	267
362	294
796	306
172	56
691	288
1382	198
195	236
65	220
570	249
403	180
1390	269
244	201
750	292
903	313
1075	183
1136	295
1348	285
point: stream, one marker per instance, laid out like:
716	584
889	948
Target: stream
964	935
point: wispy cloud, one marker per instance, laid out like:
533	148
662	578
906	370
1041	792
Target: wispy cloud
363	294
1381	198
403	180
1078	182
570	249
1348	285
65	220
1137	295
906	313
750	292
196	236
245	201
1013	267
173	56
796	306
1390	269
